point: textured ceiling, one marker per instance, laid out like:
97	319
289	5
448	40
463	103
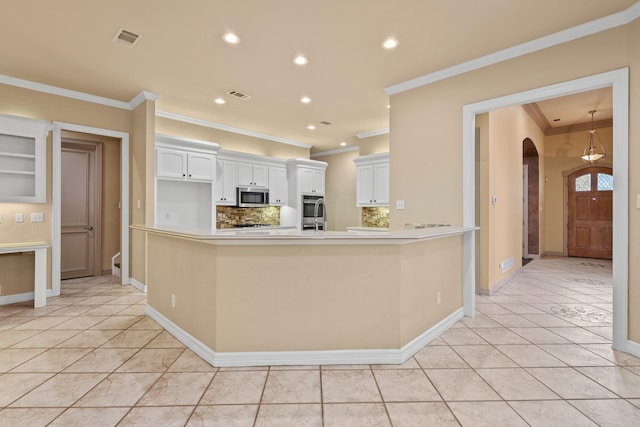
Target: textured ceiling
181	57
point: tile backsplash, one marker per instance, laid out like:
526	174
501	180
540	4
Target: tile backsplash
228	216
375	217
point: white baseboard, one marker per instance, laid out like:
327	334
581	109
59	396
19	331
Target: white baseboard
140	286
320	357
501	283
632	348
15	298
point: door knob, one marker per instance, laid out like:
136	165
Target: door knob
90	228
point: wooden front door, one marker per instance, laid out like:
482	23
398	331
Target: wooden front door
80	207
590	205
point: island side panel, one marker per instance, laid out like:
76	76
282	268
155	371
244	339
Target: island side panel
297	298
187	269
429	267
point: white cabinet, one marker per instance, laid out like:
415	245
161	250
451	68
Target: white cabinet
23	156
184	165
226	182
278	186
312	181
252	175
372	180
185	171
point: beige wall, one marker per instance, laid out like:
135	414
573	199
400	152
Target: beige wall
340	190
27	103
428	120
374	145
231	141
508	128
562	153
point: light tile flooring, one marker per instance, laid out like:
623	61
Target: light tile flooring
537	353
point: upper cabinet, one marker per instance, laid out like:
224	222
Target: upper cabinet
184	165
252	175
226	182
312	181
23	155
372	180
305	177
278	186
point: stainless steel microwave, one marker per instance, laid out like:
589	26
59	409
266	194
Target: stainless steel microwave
252	197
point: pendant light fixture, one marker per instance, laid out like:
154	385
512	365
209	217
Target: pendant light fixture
592	153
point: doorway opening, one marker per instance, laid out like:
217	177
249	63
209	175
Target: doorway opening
531	201
115	141
618	80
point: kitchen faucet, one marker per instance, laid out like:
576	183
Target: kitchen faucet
316	208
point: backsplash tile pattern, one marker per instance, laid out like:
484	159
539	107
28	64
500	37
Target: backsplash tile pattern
228	216
375	216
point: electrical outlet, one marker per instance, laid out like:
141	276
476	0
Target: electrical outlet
1	217
173	301
37	217
19	218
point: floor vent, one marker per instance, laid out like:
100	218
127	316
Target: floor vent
239	95
126	37
507	264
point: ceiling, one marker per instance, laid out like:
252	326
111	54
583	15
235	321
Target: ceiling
182	57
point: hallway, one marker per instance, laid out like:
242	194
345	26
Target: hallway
537	353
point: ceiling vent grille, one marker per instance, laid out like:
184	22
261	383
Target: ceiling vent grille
326	123
126	37
239	95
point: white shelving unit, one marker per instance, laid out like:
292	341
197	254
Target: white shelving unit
23	153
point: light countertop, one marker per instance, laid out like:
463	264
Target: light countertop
293	236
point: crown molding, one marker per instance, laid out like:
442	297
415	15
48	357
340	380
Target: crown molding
336	151
371	133
231	129
74	94
600	124
617	19
141	97
536	114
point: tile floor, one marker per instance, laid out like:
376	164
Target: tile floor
538	353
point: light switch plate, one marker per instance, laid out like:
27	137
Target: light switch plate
399	204
19	218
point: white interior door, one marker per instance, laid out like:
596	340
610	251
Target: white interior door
79	213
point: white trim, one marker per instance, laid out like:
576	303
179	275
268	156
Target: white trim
619	80
26	296
138	285
74	94
40	267
56	194
141	97
495	288
320	357
231	129
336	151
564	36
632	348
371	133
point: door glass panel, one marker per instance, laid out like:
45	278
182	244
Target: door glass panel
583	183
605	182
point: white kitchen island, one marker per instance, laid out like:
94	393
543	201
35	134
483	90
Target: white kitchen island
286	297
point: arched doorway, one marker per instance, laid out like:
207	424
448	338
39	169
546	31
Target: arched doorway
531	200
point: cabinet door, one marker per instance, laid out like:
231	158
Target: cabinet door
260	177
318	182
306	180
381	184
171	163
200	167
364	190
226	182
278	188
245	174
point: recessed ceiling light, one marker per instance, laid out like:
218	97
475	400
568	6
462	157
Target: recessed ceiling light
219	101
342	144
300	60
390	43
305	100
231	38
311	127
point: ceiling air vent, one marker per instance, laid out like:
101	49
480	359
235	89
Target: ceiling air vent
126	37
239	95
326	123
